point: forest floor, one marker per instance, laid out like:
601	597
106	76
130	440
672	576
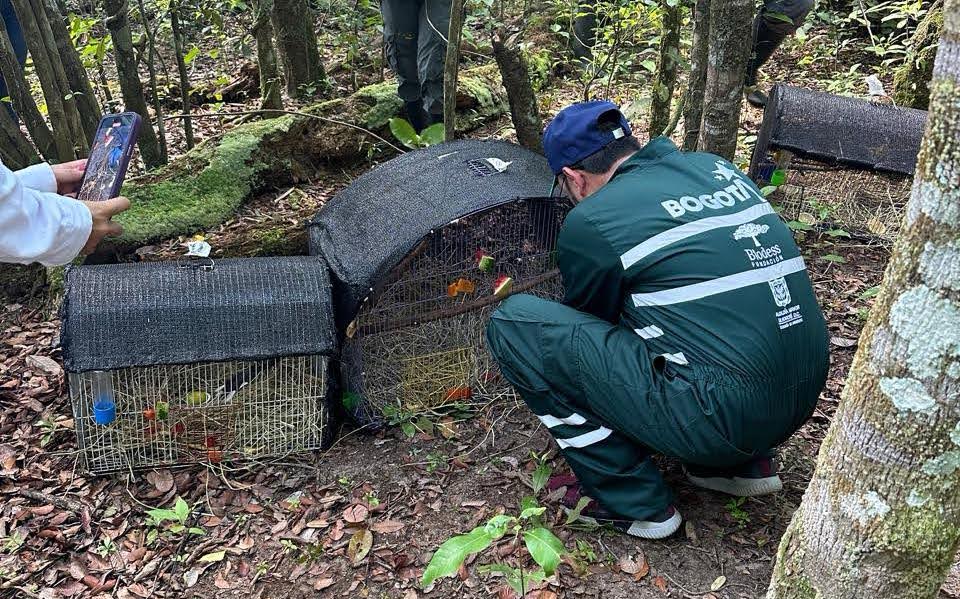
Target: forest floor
283	529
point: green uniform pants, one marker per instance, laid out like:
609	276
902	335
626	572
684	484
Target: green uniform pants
610	405
415	48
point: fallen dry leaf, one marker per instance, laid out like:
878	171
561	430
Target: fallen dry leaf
161	479
356	513
44	363
322	583
359	546
661	584
386	526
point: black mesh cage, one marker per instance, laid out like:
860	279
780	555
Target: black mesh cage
847	163
198	361
417	247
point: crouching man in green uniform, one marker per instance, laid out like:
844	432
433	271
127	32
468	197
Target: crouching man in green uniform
689	326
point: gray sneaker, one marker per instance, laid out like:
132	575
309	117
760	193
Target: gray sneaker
755	97
757	477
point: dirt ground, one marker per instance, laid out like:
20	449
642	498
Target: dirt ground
283	529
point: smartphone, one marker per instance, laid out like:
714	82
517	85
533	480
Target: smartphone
110	154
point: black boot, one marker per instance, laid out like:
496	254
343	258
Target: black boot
436	117
767	37
416	115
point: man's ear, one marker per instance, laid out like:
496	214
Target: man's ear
575	180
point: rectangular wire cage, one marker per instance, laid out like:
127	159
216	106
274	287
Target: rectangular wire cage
418	342
838	162
175	363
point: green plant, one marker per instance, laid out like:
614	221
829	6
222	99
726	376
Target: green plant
12	542
737	513
49	428
542	545
407	135
541	474
171	521
105	547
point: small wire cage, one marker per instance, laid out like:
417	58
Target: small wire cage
175	414
198	361
418	342
838	162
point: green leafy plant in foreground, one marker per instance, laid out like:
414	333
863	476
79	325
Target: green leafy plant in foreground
408	136
542	545
172	521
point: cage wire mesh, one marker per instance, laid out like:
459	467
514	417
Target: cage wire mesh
198	361
418	343
176	414
847	162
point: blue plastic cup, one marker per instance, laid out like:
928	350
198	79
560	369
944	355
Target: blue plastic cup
104	411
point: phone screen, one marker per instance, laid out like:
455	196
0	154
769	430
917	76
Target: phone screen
109	157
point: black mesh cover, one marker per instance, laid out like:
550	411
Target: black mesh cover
122	315
370	226
837	129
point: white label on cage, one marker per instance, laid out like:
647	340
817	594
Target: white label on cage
874	86
498	165
200	249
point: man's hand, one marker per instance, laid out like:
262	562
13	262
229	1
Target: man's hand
69	175
102	212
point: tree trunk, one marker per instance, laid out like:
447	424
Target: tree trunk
451	69
911	81
693	107
182	70
77	78
523	101
14	147
881	517
266	56
204	187
731	29
152	56
297	42
62	132
119	26
667	66
47	43
23	102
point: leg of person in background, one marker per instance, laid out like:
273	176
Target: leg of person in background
432	54
776	20
15	32
584	31
400	24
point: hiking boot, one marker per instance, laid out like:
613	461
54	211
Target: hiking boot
755	97
758	477
659	526
416	115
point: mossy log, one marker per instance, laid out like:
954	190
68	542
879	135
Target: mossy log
207	185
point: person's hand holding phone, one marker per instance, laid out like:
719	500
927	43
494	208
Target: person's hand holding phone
69	175
101	213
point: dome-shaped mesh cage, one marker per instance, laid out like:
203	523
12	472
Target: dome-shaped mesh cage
848	162
422	249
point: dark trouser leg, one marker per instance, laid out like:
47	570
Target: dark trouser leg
609	407
15	33
584	30
431	54
401	22
770	28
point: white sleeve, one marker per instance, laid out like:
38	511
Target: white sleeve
37	226
39	177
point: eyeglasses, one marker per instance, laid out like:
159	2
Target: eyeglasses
560	189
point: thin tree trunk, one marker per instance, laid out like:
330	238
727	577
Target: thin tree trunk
297	43
48	44
667	67
912	80
119	26
451	69
693	108
881	517
523	101
182	70
23	101
62	133
16	150
731	29
266	56
77	78
152	56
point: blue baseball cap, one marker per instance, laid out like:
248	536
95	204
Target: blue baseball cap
576	132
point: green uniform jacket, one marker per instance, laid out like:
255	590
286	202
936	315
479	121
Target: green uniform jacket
683	249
